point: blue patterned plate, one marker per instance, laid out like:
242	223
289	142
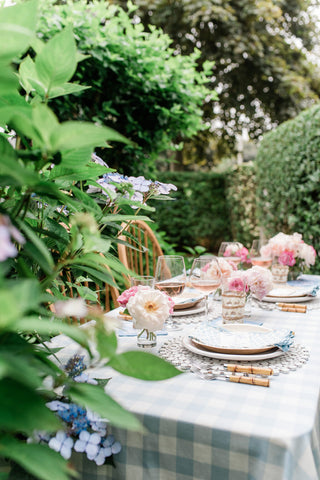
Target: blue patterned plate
241	338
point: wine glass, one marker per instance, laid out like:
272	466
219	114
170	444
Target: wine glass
228	251
262	259
205	276
170	277
146	280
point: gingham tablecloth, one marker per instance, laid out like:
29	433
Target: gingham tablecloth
200	429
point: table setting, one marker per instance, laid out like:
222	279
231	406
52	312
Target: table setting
248	394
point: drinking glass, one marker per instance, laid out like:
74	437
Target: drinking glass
205	276
146	280
258	258
227	250
170	277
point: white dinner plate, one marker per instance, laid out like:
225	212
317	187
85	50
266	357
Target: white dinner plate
187	343
198	308
187	299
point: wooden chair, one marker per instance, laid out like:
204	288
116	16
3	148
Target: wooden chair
71	286
140	248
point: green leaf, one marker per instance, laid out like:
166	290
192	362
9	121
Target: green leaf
51	467
106	343
17	27
17	368
56	63
71	135
66	89
143	365
94	398
27	71
8	80
51	327
27	291
43	252
45	122
23	410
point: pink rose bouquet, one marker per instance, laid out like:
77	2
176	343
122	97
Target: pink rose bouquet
148	307
290	249
256	280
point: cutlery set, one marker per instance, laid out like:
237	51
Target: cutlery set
248	374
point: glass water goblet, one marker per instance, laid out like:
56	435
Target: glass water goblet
170	277
146	280
205	276
258	256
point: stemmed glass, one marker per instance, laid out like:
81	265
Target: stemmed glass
206	276
145	280
227	251
170	277
258	258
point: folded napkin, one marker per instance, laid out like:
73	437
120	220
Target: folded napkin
127	330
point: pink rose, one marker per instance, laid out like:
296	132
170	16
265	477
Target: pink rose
259	281
237	284
287	258
124	297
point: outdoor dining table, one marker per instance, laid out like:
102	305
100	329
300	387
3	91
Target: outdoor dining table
197	428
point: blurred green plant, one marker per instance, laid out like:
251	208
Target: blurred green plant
49	222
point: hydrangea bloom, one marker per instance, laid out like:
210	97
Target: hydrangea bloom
62	443
7	233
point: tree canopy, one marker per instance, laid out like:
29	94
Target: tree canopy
263	71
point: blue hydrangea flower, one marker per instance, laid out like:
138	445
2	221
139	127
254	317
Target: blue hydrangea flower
88	443
62	443
75	366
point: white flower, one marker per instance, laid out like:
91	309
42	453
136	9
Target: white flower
164	188
62	443
149	309
97	424
56	405
89	443
140	184
308	254
74	307
8	231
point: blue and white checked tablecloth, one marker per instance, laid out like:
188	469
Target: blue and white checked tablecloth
201	430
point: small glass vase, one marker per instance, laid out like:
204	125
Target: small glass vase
233	306
146	339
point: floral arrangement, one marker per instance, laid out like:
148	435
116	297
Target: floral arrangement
84	431
290	249
237	250
226	267
148	307
256	280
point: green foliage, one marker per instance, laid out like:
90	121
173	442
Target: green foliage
261	53
49	226
139	84
241	200
288	174
199	214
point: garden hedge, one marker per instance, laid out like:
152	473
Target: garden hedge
288	178
208	208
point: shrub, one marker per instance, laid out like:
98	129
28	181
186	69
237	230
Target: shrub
139	85
288	175
199	214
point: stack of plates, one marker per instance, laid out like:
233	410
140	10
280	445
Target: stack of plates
236	341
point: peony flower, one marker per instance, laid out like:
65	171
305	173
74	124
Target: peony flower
308	254
236	283
259	280
287	258
226	267
243	253
149	308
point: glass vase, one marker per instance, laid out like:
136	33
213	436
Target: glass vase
146	339
233	306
